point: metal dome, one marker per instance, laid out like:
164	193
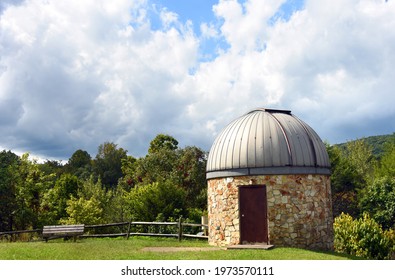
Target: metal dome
267	142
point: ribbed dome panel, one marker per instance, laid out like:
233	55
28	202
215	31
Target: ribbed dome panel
266	141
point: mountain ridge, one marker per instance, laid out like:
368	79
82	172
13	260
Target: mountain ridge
376	142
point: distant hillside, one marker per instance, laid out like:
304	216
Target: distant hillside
376	142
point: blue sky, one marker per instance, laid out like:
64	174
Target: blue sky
74	74
194	10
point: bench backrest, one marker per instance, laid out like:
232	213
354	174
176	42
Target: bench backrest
64	229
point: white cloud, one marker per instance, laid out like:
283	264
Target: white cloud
75	74
84	73
335	56
245	25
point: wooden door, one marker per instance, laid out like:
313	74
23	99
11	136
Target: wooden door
253	214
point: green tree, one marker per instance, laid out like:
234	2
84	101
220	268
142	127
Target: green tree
189	172
162	142
108	164
360	157
84	211
343	176
386	166
352	167
128	168
166	163
352	170
54	201
31	184
52	167
80	164
160	200
378	199
157	165
8	179
116	209
90	204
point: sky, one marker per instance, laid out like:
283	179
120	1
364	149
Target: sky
75	74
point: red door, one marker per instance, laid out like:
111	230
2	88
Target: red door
253	214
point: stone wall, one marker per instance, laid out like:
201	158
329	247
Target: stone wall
299	210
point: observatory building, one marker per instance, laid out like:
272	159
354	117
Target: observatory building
268	183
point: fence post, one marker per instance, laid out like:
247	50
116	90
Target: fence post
129	226
180	229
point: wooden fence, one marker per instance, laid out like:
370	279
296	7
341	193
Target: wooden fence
124	229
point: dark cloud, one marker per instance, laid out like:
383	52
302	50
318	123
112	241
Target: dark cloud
10	112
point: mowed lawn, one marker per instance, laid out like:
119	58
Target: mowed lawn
139	248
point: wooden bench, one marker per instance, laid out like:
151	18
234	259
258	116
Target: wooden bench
62	231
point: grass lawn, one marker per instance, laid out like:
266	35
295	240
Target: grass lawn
132	249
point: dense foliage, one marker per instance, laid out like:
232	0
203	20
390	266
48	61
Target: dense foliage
111	187
363	191
363	237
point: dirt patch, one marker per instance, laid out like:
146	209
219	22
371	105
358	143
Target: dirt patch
179	249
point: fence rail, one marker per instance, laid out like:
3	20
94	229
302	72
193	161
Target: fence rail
90	230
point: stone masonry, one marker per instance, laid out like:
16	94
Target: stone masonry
299	210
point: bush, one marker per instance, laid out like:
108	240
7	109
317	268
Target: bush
363	237
83	211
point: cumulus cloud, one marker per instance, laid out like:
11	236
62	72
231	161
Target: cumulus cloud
334	56
75	74
84	73
329	62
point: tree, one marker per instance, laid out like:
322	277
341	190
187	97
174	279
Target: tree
52	167
83	211
54	201
8	179
162	142
157	200
190	174
343	177
129	173
386	166
360	156
31	184
378	199
108	163
157	165
80	164
165	162
352	169
89	205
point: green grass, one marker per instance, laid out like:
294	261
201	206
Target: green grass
121	249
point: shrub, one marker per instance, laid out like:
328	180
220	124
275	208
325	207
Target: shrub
363	237
83	211
344	230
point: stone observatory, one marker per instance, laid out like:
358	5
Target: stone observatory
268	183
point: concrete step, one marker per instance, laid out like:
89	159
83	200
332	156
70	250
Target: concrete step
250	246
